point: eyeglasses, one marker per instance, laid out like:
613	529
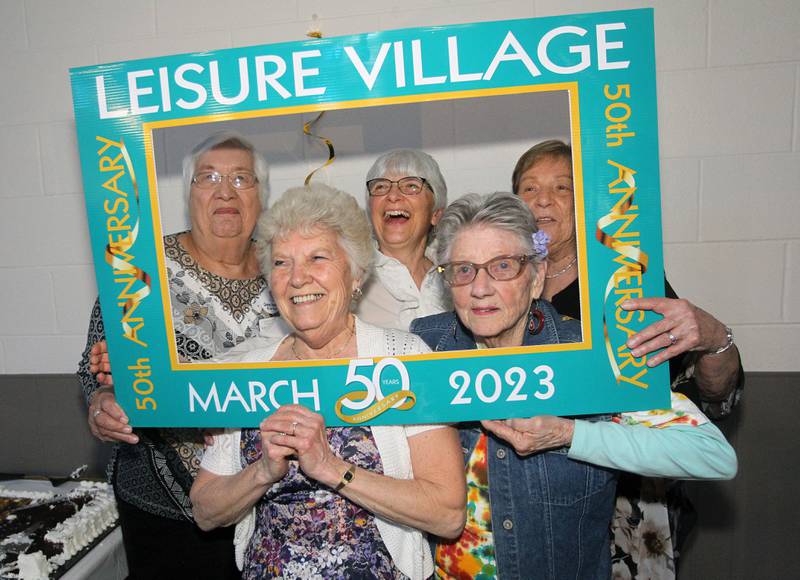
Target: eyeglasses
237	179
502	269
406	185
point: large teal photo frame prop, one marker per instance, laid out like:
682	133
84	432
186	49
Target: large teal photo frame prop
603	64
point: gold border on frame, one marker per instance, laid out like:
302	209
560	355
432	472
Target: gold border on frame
574	117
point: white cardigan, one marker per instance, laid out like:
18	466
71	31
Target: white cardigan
407	546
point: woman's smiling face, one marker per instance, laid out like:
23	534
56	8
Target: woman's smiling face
311	280
400	220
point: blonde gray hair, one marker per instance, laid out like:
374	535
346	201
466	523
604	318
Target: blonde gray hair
310	208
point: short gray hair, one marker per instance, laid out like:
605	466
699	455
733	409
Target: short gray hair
227	140
309	208
412	162
499	210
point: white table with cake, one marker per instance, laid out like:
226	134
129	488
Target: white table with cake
68	531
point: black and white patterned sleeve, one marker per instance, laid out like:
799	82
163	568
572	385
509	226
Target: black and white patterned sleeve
95	334
721	409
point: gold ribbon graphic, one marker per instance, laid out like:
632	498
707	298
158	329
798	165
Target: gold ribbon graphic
121	248
631	252
377	408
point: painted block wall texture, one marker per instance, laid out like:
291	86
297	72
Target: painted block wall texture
729	96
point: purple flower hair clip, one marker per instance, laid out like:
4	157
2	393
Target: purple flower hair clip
540	241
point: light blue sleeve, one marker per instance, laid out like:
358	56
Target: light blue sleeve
680	452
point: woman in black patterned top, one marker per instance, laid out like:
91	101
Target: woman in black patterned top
218	300
653	516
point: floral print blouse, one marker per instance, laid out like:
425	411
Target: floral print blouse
306	530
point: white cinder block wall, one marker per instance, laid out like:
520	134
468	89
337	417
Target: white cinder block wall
729	102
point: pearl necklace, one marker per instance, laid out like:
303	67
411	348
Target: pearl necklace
563	270
334	355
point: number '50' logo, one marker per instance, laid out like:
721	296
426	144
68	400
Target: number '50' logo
372	386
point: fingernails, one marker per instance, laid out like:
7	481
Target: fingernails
127	429
626	304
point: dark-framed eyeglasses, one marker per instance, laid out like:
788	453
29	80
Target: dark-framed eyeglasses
237	179
407	185
501	268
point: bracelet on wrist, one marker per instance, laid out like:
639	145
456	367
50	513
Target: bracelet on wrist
724	347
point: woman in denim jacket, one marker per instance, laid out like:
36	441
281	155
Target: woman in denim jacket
540	490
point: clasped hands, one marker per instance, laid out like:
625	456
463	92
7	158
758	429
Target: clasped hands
295	432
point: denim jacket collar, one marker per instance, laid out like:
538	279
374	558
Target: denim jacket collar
455	336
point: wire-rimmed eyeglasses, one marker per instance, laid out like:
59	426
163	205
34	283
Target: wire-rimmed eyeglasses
237	179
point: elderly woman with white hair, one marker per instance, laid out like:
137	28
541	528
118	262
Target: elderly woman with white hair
342	502
541	489
406	195
218	299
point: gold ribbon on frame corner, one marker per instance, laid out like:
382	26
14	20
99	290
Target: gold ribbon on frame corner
633	253
377	408
121	248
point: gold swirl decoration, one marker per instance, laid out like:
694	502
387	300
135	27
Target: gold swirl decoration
328	143
121	248
635	254
377	408
314	31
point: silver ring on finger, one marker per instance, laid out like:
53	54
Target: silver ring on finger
672	338
96	412
294	428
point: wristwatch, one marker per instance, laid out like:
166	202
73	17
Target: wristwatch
348	476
